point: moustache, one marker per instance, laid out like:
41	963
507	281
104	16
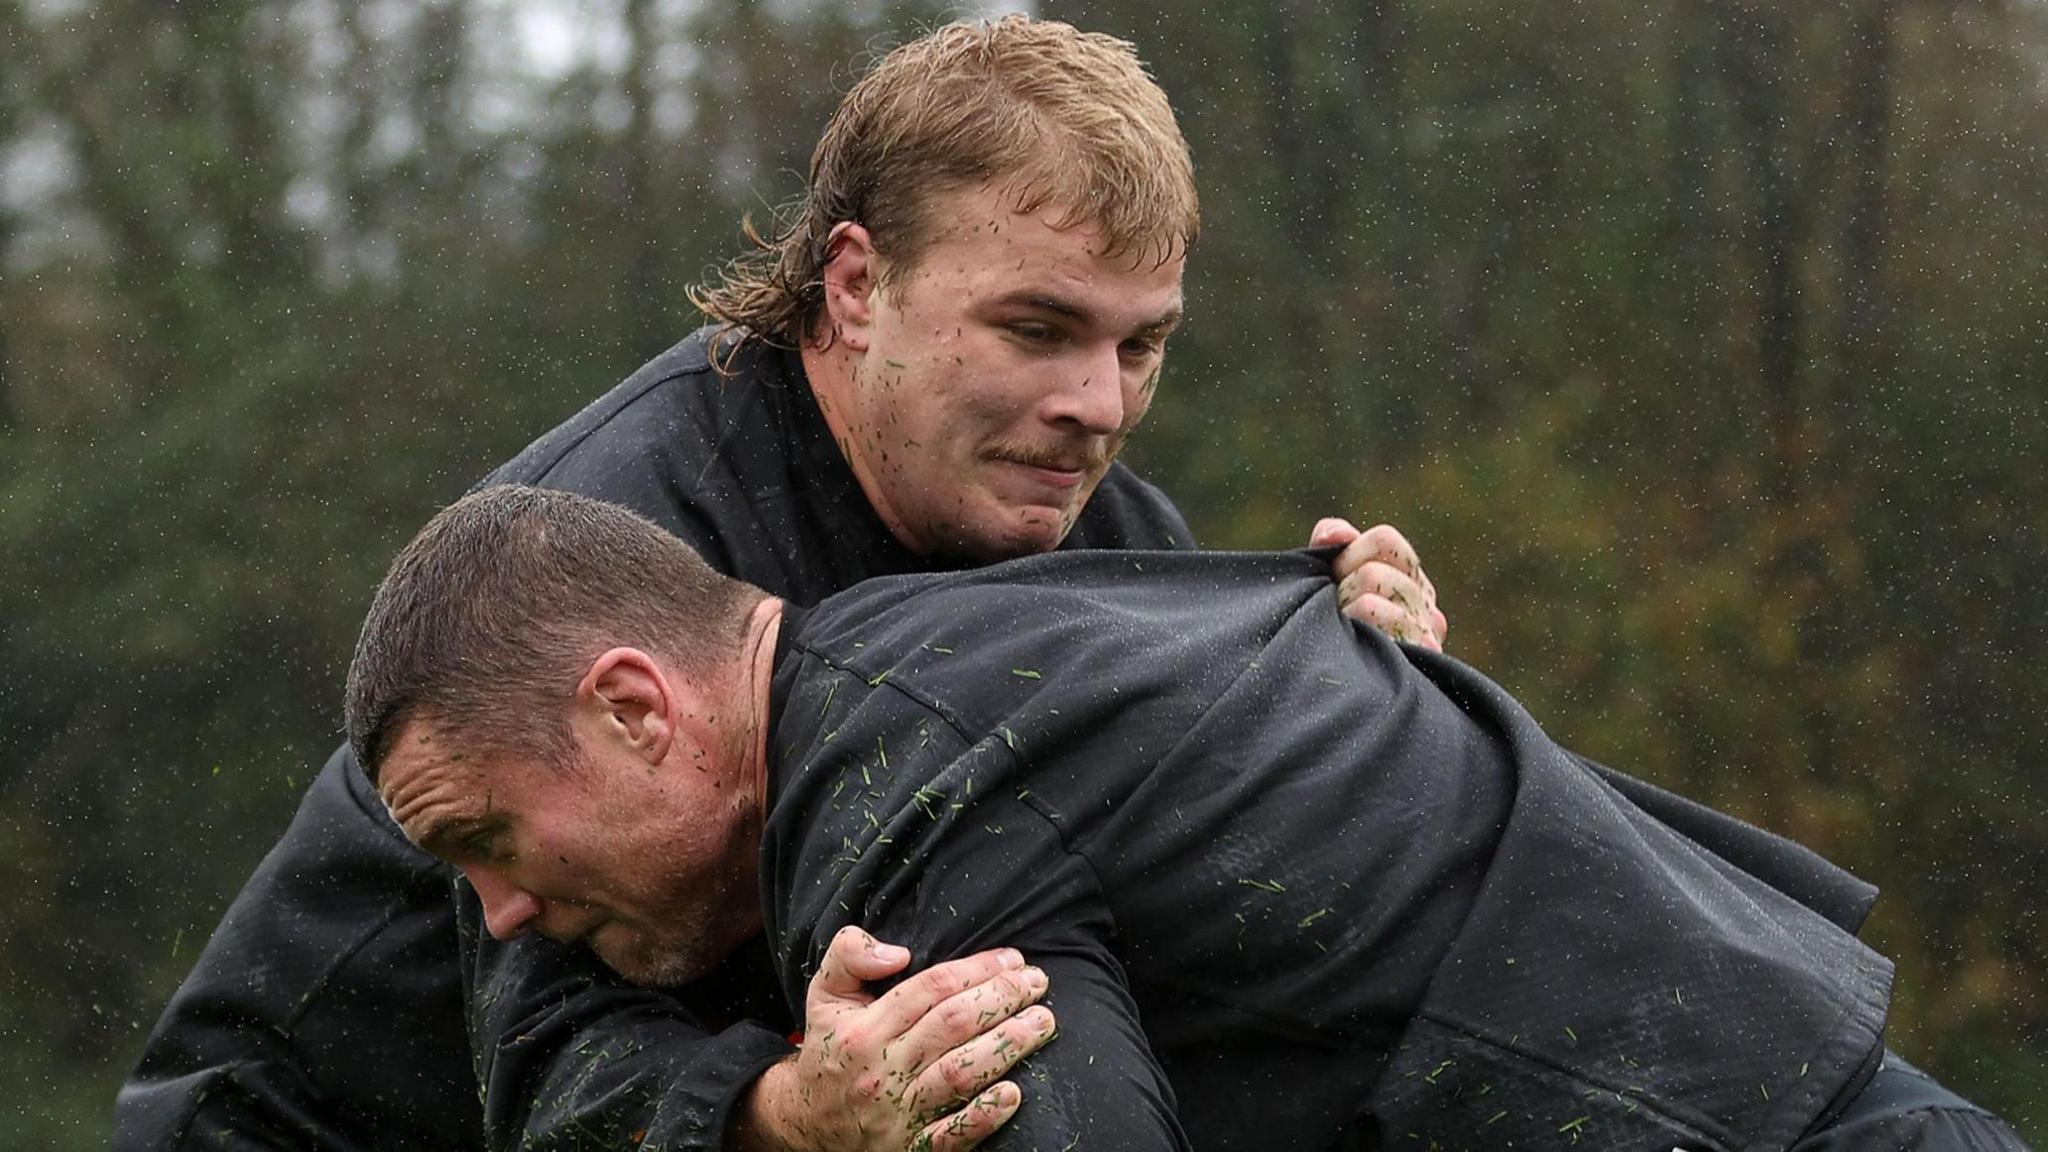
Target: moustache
1090	457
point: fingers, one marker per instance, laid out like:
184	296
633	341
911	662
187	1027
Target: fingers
1375	578
851	960
972	1124
1331	531
1393	602
1381	582
973	1037
930	1013
907	1004
972	1067
1385	544
1384	615
918	1065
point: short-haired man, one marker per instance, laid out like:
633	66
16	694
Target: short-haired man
934	366
1293	886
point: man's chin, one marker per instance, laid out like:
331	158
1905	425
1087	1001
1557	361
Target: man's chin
651	965
1017	532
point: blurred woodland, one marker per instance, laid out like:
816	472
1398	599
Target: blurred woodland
1701	346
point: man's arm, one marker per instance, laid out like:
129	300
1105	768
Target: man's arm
945	858
842	1090
571	1056
568	1055
330	982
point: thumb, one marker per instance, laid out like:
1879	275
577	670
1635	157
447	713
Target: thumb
1330	531
851	960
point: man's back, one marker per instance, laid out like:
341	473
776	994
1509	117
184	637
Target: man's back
1350	889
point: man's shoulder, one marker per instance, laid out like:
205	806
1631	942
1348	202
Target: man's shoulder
968	641
666	421
1127	511
1154	585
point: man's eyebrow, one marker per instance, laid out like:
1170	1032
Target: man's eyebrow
1046	302
1059	306
440	831
1167	320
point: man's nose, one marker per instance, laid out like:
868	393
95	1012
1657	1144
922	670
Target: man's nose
1090	394
508	908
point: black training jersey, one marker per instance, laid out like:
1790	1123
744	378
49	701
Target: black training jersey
1295	886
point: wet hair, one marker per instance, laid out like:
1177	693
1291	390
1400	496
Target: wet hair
490	617
1060	119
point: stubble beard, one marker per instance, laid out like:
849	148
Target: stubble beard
655	963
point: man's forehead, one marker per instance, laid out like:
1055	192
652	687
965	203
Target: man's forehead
992	212
421	753
1058	270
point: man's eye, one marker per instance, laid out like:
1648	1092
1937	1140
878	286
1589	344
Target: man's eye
1142	349
480	844
1032	332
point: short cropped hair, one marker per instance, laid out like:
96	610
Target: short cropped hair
489	619
1067	120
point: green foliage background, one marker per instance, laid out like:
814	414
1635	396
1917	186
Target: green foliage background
1699	345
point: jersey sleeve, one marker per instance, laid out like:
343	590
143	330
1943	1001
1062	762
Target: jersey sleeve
896	824
282	1036
570	1056
1096	1083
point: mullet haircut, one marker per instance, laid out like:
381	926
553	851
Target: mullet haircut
489	619
1062	119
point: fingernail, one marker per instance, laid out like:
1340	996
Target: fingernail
1034	979
888	952
1010	958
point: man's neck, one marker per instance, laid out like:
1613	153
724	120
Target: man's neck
757	672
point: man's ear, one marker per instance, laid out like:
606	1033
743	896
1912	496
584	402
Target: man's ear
851	268
632	701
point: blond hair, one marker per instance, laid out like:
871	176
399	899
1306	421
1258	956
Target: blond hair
1063	119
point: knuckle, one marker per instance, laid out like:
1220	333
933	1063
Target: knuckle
1020	1038
855	1038
916	1105
1021	987
845	944
960	1016
1348	588
1375	609
962	1074
947	980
